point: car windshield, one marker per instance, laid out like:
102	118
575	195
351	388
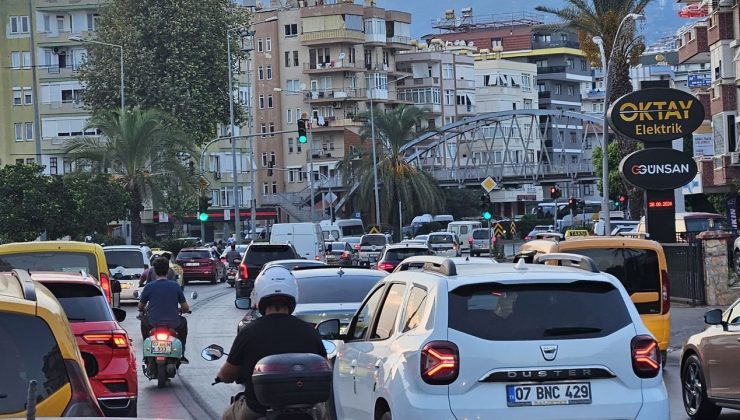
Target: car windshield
260	255
124	258
335	289
377	240
481	234
505	312
193	255
440	239
29	352
637	269
81	302
66	262
352	230
401	254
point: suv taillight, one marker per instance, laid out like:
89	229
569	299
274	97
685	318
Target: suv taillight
665	290
243	272
105	285
440	363
645	356
385	266
82	402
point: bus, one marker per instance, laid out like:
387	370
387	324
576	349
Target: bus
584	216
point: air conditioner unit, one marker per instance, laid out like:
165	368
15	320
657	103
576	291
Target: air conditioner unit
336	105
328	154
59	50
735	158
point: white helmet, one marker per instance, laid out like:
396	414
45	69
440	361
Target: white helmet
275	282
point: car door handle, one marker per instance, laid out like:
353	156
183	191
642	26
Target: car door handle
377	364
352	365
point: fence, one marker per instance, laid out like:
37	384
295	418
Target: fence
686	272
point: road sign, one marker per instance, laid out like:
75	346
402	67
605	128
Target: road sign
203	182
374	229
330	197
513	228
498	230
488	184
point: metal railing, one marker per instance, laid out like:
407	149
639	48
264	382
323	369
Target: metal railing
333	33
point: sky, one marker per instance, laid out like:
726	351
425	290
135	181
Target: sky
661	16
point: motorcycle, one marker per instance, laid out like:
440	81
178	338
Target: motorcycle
232	271
292	385
162	352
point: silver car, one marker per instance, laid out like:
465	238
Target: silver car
480	242
445	244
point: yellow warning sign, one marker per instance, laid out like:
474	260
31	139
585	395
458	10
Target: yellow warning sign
374	229
513	228
498	230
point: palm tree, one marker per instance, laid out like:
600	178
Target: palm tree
602	18
139	148
397	179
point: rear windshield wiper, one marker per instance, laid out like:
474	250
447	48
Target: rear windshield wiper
555	331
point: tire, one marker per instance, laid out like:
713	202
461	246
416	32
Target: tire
694	391
386	416
215	278
161	376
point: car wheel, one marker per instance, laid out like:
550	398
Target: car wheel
695	400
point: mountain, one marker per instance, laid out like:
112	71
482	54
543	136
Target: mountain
661	15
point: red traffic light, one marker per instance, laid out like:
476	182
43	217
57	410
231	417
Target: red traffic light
622	199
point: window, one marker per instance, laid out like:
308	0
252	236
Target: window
260	73
288	61
293	86
497	42
289	116
513	106
414	309
384	328
449	97
572	138
15	59
92	21
274	187
264	159
261	101
27	96
53	166
17	96
584	65
268	44
260	45
60	23
269	101
564	37
19	25
363	319
526	83
269	72
29	131
541	87
447	71
571	90
19	161
558	89
295	59
265	188
272	129
290	144
570	63
734	315
291	30
263	129
26	59
18	129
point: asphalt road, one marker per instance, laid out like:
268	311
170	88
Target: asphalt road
214	319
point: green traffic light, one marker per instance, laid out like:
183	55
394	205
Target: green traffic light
487	215
302	139
203	217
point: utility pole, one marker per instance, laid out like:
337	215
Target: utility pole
34	84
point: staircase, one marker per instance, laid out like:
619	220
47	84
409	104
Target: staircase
287	201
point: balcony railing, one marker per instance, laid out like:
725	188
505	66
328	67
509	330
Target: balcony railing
544	95
338	94
339	34
551	69
399	40
334	65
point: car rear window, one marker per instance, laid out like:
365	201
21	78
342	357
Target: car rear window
494	311
29	351
352	230
335	289
403	253
193	255
440	239
481	234
261	255
122	258
637	269
338	247
378	240
66	262
81	302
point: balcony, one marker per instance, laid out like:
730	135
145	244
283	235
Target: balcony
403	42
464	84
537	45
64	107
465	109
551	69
720	29
66	5
419	81
726	101
591	94
56	72
333	36
693	46
335	95
334	124
543	95
332	67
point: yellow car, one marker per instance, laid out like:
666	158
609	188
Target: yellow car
575	232
58	256
639	264
175	267
37	343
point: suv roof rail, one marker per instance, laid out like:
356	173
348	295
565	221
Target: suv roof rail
569	260
29	289
439	265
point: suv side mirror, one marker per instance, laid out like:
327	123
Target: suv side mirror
243	303
329	329
714	317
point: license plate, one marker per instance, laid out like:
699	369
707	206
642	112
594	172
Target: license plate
125	286
548	394
161	347
191	264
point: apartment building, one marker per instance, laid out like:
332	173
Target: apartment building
326	61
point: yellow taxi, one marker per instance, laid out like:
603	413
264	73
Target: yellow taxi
37	344
570	233
639	264
159	252
58	256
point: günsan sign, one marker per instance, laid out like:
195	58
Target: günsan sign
658	168
654	115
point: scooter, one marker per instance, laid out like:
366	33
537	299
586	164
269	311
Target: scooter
292	385
231	272
162	352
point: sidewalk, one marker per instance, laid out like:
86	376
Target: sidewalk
686	321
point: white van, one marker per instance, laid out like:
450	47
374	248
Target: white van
464	231
306	238
341	228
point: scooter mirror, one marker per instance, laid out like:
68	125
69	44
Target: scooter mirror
194	295
331	349
136	294
243	303
212	352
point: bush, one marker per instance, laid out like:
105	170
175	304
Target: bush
174	245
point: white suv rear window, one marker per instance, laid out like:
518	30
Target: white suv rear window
493	311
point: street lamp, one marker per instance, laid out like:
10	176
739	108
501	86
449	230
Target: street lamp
120	47
599	41
375	155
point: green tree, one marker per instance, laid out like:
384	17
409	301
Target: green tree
397	179
179	199
139	148
27	206
462	202
174	56
97	200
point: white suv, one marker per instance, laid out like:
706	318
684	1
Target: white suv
444	338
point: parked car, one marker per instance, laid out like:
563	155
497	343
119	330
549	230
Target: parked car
58	256
445	243
38	343
325	293
201	264
710	373
392	255
481	242
129	263
445	339
341	254
370	247
105	346
257	255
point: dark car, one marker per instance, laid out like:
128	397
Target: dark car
328	293
201	264
341	254
394	254
255	257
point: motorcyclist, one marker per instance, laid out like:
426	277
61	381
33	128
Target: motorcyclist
276	332
232	255
149	275
160	299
